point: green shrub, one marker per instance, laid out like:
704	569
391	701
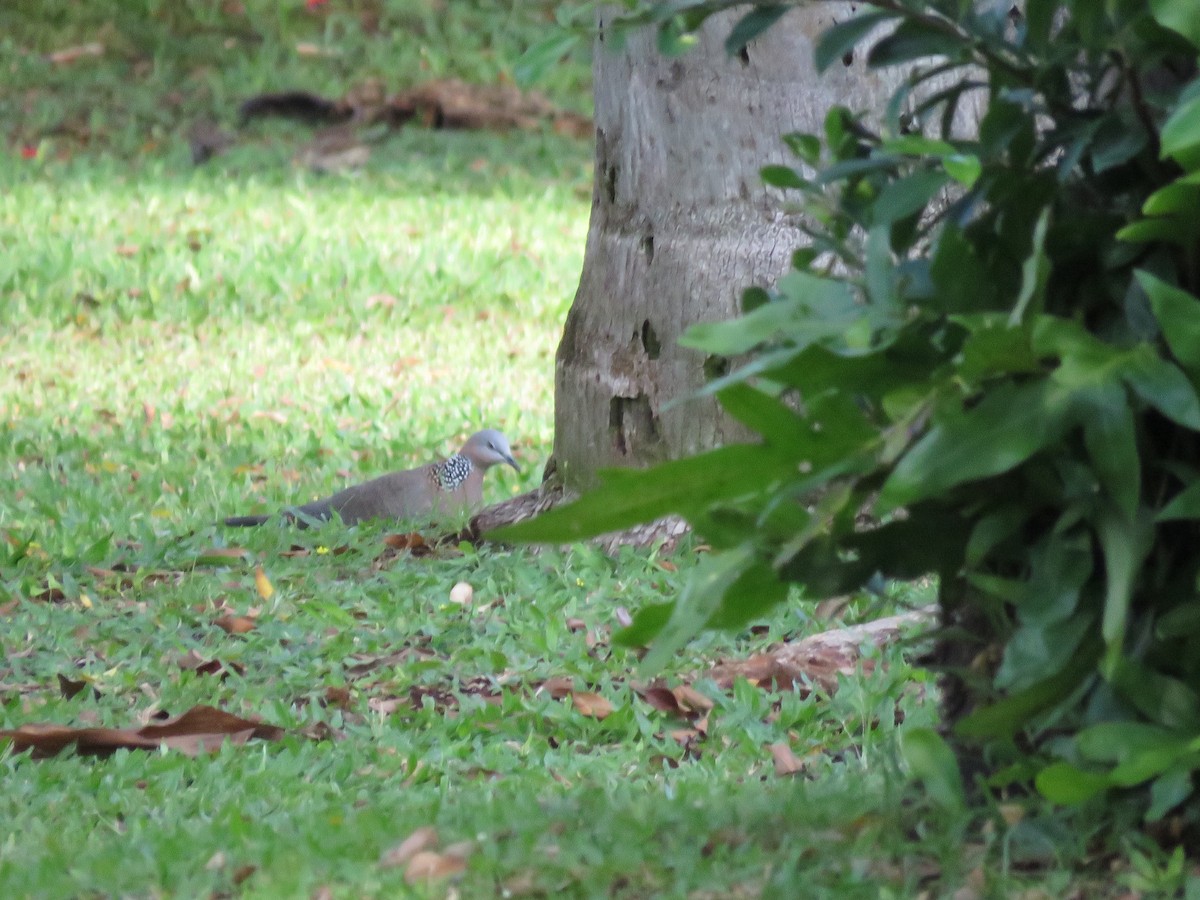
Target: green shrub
992	346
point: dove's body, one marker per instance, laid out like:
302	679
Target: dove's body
447	487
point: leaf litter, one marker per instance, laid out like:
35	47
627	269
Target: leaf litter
200	729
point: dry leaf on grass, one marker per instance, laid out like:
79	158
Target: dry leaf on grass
424	838
235	624
411	541
68	687
192	661
819	659
262	584
70	54
430	866
786	762
557	687
660	698
691	699
591	705
200	728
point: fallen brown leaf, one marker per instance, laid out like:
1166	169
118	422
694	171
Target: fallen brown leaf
192	661
235	624
591	705
410	541
786	762
662	699
386	705
71	54
429	866
424	838
68	687
200	728
691	699
557	687
387	301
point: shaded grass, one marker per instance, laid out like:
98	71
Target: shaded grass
165	64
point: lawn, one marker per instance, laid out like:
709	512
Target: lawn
183	343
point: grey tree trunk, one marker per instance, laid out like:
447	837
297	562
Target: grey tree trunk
681	224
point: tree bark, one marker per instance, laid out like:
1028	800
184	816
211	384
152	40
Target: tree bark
681	224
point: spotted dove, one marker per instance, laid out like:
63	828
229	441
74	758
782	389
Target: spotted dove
449	486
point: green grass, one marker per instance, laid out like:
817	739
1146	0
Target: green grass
182	344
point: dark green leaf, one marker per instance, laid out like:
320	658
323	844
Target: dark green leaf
1184	505
1035	272
1063	783
646	625
913	40
1125	542
701	598
900	199
751	25
1114	742
1117	140
934	764
996	348
1179	197
963	168
755	593
1170	790
1005	717
629	497
918	145
782	177
806	146
1006	427
791	317
542	56
1180	16
1162	385
959	274
672	39
1035	652
929	539
817	369
1178	314
753	298
1148	230
1161	698
880	268
1182	621
1111	441
835	42
1181	133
